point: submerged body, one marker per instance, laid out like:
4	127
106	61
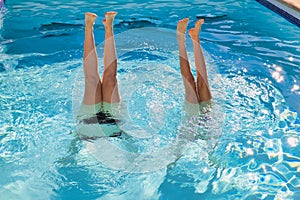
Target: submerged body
100	96
95	118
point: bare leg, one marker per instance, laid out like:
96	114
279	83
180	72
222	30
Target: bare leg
188	79
109	81
92	92
204	93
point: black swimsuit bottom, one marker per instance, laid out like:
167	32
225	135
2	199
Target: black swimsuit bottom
103	118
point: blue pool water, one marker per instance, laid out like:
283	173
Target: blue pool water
245	147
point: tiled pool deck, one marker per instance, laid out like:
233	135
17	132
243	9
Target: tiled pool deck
289	9
295	4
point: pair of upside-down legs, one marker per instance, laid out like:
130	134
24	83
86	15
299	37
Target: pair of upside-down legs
106	90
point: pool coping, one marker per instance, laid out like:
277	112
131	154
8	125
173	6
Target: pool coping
1	3
289	11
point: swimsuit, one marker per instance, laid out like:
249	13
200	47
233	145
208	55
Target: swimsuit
95	121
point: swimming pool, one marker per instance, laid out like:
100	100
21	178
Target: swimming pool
254	71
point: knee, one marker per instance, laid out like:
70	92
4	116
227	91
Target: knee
109	79
109	75
189	80
92	80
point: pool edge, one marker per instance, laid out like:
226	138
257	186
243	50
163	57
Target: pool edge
283	10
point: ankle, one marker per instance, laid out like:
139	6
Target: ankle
196	40
88	28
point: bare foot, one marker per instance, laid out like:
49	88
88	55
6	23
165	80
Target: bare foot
194	32
109	18
181	27
90	18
